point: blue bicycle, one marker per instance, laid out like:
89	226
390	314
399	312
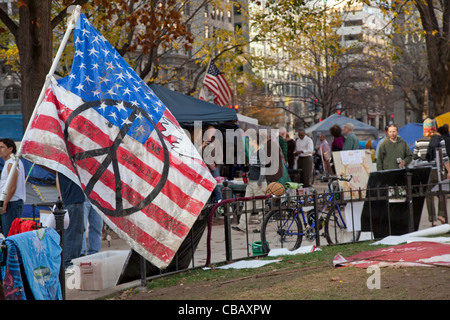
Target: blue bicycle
285	228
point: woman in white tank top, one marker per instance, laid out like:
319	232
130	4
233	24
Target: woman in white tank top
15	198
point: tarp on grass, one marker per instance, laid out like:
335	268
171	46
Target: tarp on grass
422	253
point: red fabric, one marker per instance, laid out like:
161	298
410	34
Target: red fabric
420	253
19	226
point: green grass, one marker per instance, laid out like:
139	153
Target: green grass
297	277
294	262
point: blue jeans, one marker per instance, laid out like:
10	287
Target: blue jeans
13	211
217	190
73	235
94	241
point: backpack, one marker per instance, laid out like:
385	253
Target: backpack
435	142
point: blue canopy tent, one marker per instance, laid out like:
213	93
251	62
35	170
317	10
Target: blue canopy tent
410	133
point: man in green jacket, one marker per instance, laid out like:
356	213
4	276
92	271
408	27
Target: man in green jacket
351	142
394	152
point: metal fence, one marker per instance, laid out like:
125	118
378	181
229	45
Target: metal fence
408	198
231	209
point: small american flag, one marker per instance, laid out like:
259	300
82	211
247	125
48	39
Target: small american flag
105	129
216	83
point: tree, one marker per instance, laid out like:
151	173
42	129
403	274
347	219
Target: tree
32	32
145	33
306	31
142	31
435	23
257	105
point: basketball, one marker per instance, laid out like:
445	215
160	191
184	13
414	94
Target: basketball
276	189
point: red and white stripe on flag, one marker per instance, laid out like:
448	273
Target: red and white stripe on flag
218	85
155	229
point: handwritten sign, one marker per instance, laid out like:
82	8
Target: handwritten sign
357	163
352	157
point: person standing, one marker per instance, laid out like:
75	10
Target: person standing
290	151
304	148
212	151
337	144
93	222
377	150
420	155
338	139
16	196
351	142
394	152
283	143
324	151
73	199
257	183
443	131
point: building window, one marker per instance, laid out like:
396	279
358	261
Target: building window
353	37
12	94
353	23
187	9
237	10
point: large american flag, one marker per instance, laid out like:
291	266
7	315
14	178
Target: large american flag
218	85
104	128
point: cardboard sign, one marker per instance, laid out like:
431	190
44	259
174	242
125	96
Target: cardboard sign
358	164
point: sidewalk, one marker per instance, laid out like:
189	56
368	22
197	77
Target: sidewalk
240	249
200	255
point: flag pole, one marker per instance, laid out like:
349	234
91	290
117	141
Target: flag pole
73	21
204	76
207	68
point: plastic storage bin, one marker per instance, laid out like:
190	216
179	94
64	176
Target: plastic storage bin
101	270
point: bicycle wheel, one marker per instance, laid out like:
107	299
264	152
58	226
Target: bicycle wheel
281	229
336	228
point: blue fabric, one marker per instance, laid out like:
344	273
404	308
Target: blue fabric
410	133
11	275
94	241
39	253
11	126
34	173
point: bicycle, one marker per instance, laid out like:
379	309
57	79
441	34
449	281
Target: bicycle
285	228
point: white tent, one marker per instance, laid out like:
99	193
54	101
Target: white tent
362	130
